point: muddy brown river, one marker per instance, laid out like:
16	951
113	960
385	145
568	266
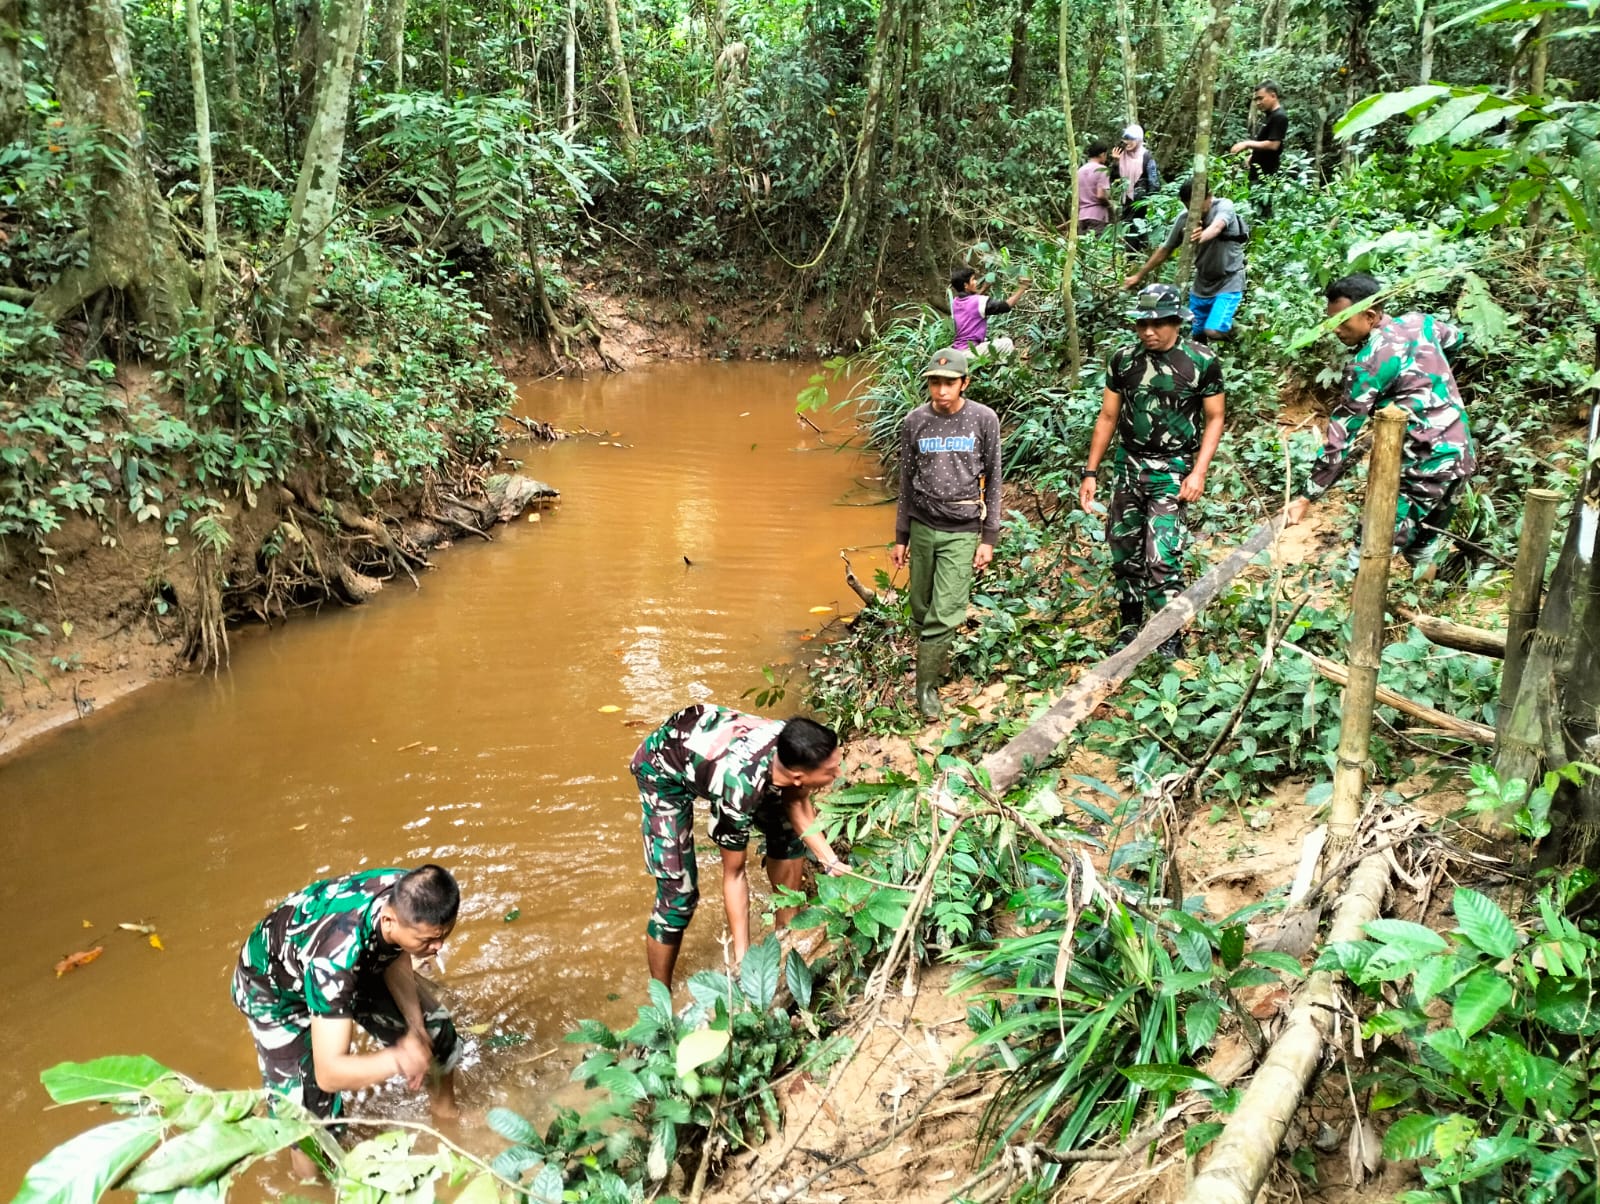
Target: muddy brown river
463	723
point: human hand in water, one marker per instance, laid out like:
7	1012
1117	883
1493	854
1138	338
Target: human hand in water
413	1054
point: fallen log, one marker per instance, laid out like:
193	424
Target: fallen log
1461	729
1461	637
1243	1155
1034	744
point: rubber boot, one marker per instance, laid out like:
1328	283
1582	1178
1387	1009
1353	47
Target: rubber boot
1172	647
932	656
1132	618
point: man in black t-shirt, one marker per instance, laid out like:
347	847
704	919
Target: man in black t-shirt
1266	147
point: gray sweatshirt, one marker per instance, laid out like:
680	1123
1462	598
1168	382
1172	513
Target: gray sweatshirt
950	471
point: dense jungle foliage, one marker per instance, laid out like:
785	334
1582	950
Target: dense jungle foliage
312	220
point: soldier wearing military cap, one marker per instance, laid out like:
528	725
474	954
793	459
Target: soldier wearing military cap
1163	402
948	516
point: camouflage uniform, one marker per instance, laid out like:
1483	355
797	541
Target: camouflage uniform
320	954
1404	362
726	757
1160	421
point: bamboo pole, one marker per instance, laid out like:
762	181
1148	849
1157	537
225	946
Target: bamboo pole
1451	725
1243	1155
1527	583
1459	636
1366	626
1034	744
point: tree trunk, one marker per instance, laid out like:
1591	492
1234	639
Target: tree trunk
310	49
1541	56
393	45
1130	64
318	186
447	61
1216	34
1017	77
627	128
879	69
1155	21
569	120
211	277
1069	301
230	64
132	246
12	95
1425	65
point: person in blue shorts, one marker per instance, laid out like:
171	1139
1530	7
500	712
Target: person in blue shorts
1218	266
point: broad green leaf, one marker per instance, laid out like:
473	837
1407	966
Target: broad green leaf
485	1189
213	1192
1375	110
660	999
1169	1077
622	1083
1443	119
799	977
1484	924
203	1153
1479	1001
1410	1137
103	1078
758	973
547	1186
1412	940
1200	1023
1197	1137
1275	959
1230	944
1490	324
1433	976
514	1127
1483	121
79	1171
699	1047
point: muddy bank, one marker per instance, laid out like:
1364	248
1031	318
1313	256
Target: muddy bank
130	604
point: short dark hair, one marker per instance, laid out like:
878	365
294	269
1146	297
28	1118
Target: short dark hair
805	743
427	896
1357	286
1097	148
1186	190
960	277
1267	85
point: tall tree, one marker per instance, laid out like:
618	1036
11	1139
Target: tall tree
12	96
212	275
1425	59
392	43
230	63
880	70
1069	302
1215	36
318	185
569	105
1130	63
627	127
1017	76
131	244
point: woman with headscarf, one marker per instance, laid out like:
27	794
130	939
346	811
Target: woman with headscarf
1136	168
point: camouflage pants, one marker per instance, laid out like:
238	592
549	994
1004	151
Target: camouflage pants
283	1048
1147	534
1425	502
667	825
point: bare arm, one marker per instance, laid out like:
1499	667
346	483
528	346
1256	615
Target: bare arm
1211	231
1022	287
803	818
401	979
336	1068
1104	427
736	898
1157	257
1194	484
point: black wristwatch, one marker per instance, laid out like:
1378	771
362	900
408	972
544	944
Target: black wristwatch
1090	472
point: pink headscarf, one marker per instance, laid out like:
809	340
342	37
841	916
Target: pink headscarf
1130	164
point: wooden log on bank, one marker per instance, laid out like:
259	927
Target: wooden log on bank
1035	744
1459	636
1365	654
1244	1154
1450	725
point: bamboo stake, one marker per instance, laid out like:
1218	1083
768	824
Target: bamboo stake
1366	626
1462	729
1527	582
1034	744
1461	637
1244	1154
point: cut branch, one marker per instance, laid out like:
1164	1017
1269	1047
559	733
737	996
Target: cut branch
1462	729
1461	637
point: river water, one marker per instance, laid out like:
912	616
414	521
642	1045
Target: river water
461	724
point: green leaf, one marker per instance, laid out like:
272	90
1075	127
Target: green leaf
1433	976
1443	119
1406	938
1197	1137
699	1047
204	1153
79	1171
1410	1137
515	1128
799	977
1230	944
484	1189
1375	110
1200	1023
1484	924
1479	1001
547	1186
1162	1077
758	974
1275	959
103	1078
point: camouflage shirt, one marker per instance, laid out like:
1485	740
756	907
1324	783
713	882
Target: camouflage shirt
1402	362
1162	395
715	753
305	958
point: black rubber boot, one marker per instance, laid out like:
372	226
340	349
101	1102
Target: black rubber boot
1172	647
1131	619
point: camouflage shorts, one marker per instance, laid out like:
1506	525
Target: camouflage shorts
667	825
283	1048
